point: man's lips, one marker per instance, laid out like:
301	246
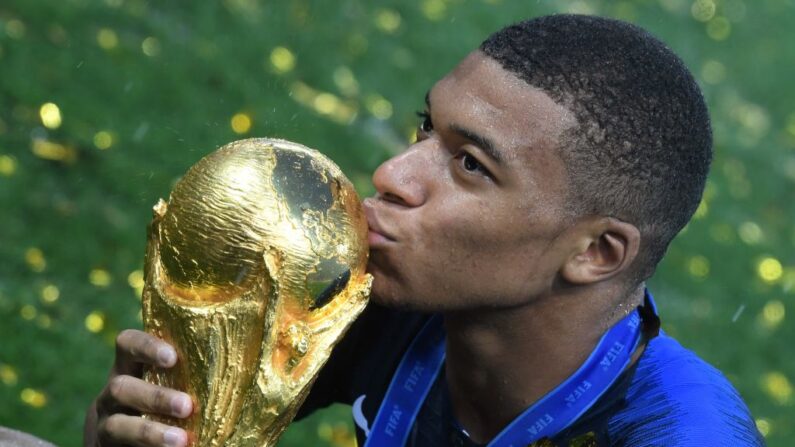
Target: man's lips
377	236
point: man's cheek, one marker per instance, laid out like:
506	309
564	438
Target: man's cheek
443	231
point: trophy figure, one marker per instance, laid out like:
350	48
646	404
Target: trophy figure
255	268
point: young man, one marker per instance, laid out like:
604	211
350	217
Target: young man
552	168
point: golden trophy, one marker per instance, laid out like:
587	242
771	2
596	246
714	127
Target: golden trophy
255	268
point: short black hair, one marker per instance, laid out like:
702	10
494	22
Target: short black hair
642	145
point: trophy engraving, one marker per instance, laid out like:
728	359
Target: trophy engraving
254	270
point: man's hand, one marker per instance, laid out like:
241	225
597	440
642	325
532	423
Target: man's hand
114	418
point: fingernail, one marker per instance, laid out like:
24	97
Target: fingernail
167	356
181	405
174	437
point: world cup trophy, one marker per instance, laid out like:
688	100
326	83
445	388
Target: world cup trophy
255	268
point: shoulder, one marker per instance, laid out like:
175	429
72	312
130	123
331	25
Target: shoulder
676	398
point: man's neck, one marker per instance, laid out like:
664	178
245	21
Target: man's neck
501	361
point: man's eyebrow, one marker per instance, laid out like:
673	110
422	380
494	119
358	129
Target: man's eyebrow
483	143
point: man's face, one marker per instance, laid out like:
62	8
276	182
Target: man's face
471	214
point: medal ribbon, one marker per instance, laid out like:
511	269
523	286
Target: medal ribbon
410	384
550	415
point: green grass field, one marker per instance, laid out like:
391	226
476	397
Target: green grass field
105	103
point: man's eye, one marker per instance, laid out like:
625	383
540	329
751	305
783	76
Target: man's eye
471	164
426	125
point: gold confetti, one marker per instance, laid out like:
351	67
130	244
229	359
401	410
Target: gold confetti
754	118
773	314
136	280
764	426
788	280
411	134
8	375
345	81
324	103
95	321
44	321
15	29
34	257
50	115
34	398
703	10
434	10
702	210
713	72
99	277
241	123
778	387
150	46
791	125
578	7
8	165
28	312
698	266
103	140
378	106
107	39
52	151
282	59
770	270
750	233
50	294
719	28
387	20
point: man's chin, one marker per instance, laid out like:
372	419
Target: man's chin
386	299
388	291
402	303
381	293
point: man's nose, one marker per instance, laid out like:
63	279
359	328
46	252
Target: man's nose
400	179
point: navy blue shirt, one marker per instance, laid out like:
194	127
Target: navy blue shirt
669	397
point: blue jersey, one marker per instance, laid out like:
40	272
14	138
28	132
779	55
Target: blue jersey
675	398
670	397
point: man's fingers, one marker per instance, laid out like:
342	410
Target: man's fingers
121	429
127	392
137	347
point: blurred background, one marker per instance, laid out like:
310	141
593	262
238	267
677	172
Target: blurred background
105	103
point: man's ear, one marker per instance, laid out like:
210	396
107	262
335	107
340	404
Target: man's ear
606	247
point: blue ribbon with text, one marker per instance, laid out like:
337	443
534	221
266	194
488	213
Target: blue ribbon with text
548	416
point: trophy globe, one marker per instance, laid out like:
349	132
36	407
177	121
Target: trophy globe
255	268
